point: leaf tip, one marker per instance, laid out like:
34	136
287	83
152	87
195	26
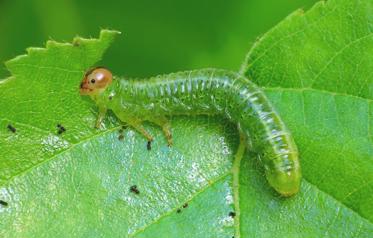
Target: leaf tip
108	35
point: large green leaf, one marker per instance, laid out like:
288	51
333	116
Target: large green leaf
78	183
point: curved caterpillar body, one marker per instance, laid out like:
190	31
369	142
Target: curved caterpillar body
207	91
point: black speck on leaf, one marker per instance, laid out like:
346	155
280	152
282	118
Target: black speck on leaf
178	210
11	128
149	145
134	189
232	214
61	129
3	203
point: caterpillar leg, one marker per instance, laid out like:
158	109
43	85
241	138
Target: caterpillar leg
138	127
135	123
166	128
101	116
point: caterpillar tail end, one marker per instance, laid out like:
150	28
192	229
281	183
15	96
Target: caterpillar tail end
286	183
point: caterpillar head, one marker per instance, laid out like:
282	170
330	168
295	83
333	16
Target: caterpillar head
95	81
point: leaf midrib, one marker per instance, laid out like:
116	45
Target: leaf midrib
171	211
72	146
237	224
338	201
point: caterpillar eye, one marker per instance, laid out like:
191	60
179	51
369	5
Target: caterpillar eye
95	81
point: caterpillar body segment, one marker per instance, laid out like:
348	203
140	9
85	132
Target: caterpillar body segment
209	92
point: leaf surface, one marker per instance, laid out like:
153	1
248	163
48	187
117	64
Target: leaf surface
78	183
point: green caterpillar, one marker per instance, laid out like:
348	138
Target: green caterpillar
209	92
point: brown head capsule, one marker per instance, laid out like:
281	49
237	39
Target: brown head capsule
95	81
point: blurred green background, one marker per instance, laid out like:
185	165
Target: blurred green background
158	36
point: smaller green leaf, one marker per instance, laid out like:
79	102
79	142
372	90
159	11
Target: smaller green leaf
317	71
43	92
